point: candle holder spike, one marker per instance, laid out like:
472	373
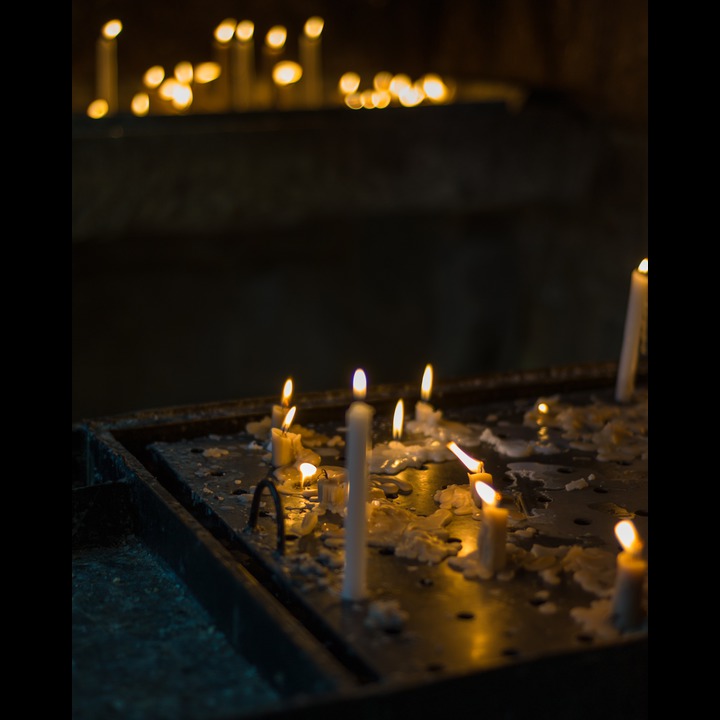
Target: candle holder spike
279	517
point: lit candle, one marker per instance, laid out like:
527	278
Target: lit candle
244	66
627	612
310	46
107	73
272	51
285	77
280	411
493	530
398	419
424	411
223	34
635	333
285	445
359	423
204	76
476	471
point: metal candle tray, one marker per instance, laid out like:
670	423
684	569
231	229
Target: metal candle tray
491	646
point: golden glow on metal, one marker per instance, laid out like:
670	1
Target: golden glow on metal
111	29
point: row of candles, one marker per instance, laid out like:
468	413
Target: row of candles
626	609
231	82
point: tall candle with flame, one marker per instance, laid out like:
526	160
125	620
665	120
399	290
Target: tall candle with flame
223	35
107	71
243	79
635	334
310	53
358	420
627	608
286	446
493	530
424	411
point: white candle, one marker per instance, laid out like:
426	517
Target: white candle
280	411
223	34
358	420
107	73
493	530
272	52
286	446
244	66
627	610
635	333
424	411
310	47
476	471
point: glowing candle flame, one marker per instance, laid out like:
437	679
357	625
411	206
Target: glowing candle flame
287	393
307	470
543	408
314	27
434	88
206	72
628	537
97	109
382	80
398	420
140	104
111	29
286	72
276	37
182	96
184	72
643	266
245	30
411	96
399	83
427	383
359	384
487	494
349	83
287	422
154	76
225	30
473	465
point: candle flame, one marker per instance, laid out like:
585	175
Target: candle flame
245	30
276	37
289	417
427	383
398	420
287	393
97	109
628	537
643	266
473	465
307	470
183	72
411	96
543	408
398	83
382	80
349	83
313	27
154	76
487	494
286	72
111	29
434	88
206	72
359	384
140	104
225	30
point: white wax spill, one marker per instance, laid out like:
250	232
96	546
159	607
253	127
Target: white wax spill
386	615
215	452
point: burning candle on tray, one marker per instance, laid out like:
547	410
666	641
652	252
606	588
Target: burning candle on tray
635	333
285	445
280	411
310	47
476	471
243	80
493	530
424	412
358	420
272	52
223	34
627	611
107	73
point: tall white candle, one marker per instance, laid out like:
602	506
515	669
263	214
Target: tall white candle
634	334
272	53
493	531
243	78
107	71
310	53
358	420
627	609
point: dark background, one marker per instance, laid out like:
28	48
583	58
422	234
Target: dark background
215	255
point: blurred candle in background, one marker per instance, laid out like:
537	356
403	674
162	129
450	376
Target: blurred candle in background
627	602
243	79
286	75
223	34
310	54
635	333
107	70
272	52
